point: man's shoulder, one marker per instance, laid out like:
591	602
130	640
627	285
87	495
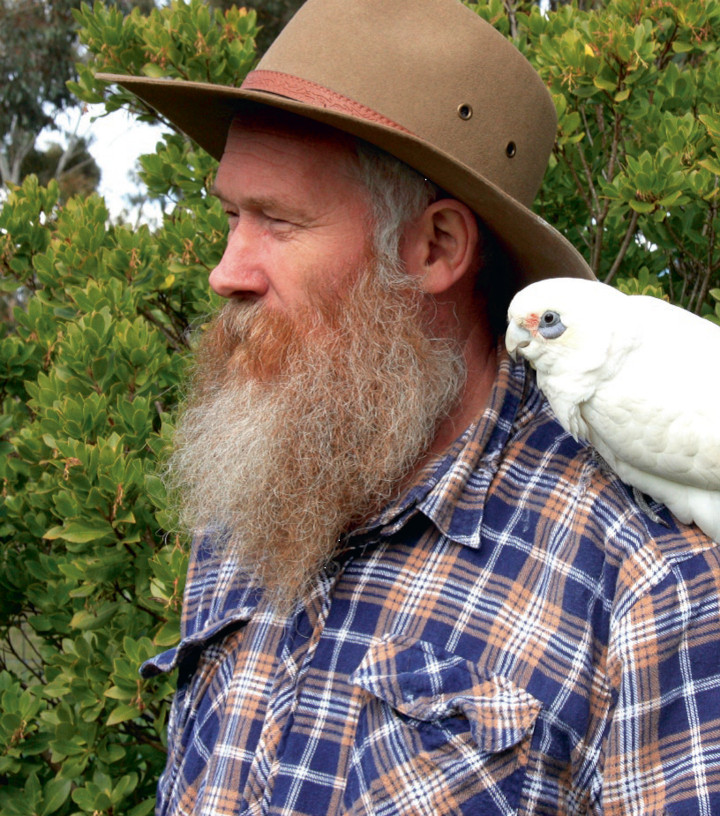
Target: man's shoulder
565	488
518	475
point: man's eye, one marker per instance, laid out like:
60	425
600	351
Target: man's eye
275	217
280	226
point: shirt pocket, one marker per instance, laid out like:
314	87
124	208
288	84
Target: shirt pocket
436	735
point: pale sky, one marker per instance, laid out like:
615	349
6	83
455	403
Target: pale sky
116	142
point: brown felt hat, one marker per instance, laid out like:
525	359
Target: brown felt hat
429	82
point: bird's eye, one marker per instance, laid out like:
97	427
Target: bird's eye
551	326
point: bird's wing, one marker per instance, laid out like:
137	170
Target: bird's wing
660	415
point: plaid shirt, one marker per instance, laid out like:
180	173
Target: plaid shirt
512	636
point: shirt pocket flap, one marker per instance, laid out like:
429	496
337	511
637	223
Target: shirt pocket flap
191	646
427	683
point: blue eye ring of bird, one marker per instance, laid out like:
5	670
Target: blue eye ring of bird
550	325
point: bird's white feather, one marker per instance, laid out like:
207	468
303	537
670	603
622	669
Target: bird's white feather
637	378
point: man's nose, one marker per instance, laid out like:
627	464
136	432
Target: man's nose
240	272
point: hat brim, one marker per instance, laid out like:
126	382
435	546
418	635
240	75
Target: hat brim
205	111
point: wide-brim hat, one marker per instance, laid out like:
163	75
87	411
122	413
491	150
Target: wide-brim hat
429	82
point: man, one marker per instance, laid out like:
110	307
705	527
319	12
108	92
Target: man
410	591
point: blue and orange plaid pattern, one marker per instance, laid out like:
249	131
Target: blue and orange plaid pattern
512	636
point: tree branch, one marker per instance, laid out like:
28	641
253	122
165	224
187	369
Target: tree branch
20	660
510	11
629	234
133	730
177	342
578	184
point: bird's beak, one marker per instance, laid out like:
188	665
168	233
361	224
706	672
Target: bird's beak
516	338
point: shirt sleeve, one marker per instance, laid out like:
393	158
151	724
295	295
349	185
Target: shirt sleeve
663	745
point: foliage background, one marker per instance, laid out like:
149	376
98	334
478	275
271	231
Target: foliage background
95	345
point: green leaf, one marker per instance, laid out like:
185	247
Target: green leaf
116	693
123	713
85	799
56	793
604	84
81	532
168	634
641	206
144	808
88	620
711	164
622	95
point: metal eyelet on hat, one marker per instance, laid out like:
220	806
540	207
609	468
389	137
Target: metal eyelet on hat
465	111
510	150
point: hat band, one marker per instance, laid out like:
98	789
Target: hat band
312	93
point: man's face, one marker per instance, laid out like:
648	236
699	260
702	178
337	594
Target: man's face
298	216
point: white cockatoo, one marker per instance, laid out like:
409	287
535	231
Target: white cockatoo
637	378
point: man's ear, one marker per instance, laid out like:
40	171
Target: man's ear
441	245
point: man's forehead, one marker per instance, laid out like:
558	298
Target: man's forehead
284	150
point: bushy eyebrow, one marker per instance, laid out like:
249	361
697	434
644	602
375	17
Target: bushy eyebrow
215	192
262	204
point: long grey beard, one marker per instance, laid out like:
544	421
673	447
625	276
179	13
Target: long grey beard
282	465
